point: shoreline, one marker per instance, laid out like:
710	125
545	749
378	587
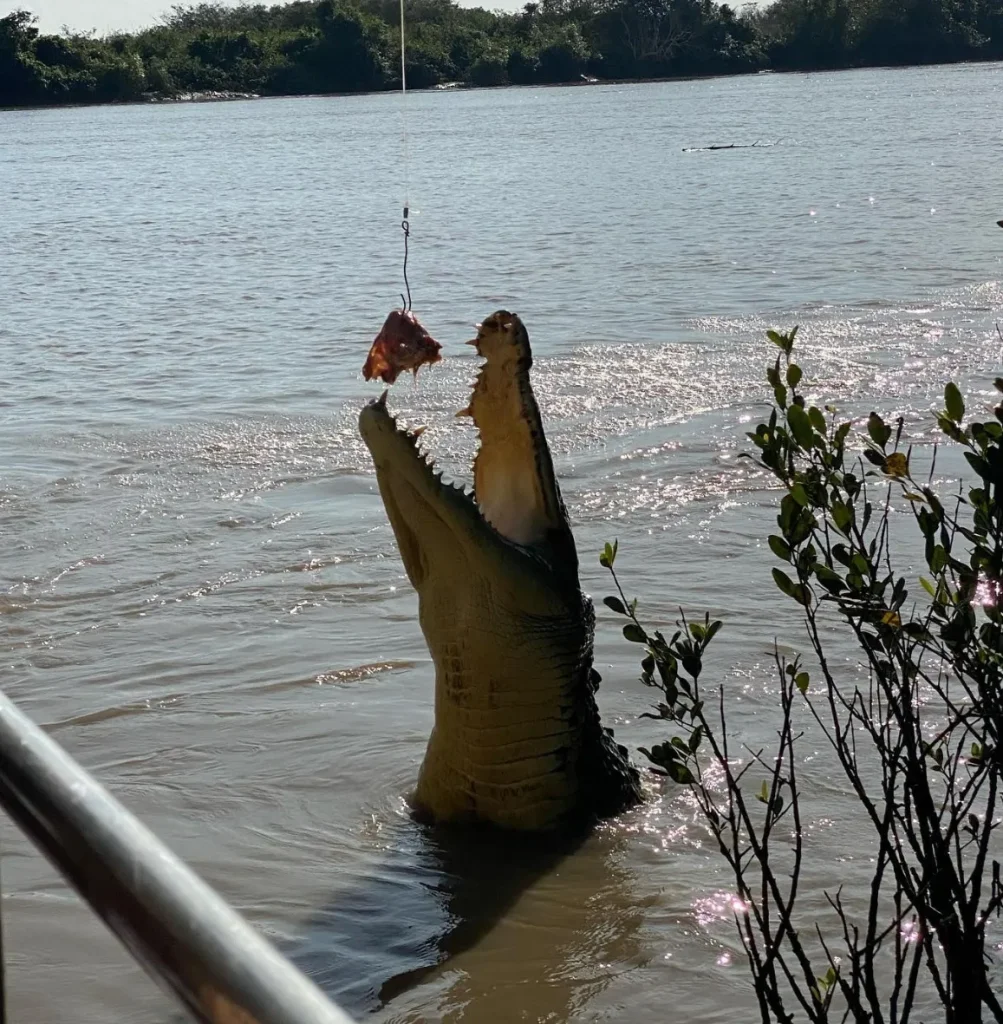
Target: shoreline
231	96
207	96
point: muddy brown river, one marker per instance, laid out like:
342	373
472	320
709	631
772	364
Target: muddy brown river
200	596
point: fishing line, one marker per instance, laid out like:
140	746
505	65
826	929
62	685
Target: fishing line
405	224
402	344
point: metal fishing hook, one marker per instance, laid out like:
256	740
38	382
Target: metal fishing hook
406	228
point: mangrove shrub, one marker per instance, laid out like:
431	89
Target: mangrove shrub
915	735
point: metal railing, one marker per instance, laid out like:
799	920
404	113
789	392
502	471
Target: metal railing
179	929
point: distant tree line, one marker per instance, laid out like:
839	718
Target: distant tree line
324	46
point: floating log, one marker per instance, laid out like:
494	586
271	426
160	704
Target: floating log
732	145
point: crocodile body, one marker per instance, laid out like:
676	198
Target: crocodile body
517	740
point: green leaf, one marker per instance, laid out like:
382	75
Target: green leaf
954	402
801	681
927	522
842	554
662	754
616	604
793	375
608	556
780	548
829	579
880	432
816	419
763	796
668	671
784	582
799	494
979	464
948	426
678	772
938	560
695	738
842	515
800	426
778	339
633	632
917	630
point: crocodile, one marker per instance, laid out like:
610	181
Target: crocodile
517	740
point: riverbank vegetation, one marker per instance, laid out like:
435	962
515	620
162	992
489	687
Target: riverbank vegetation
332	46
913	721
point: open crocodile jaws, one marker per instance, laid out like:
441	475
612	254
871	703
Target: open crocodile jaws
517	740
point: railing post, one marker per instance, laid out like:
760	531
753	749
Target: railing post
175	925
